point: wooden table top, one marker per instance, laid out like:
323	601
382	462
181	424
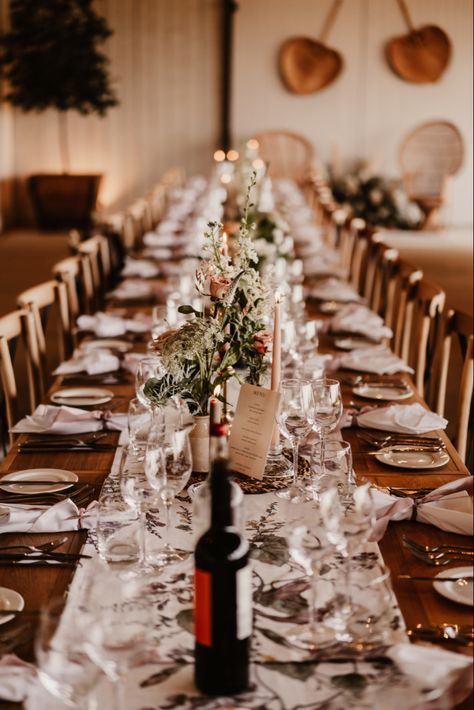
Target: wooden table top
418	601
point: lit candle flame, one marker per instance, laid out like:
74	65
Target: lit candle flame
219	156
217	390
232	155
253	144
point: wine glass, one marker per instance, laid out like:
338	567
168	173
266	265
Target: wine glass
168	466
327	410
347	529
147	368
295	418
118	622
333	466
64	667
308	545
138	495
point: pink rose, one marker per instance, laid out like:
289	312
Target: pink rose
159	343
219	286
262	341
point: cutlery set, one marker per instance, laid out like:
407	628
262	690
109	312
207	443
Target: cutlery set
61	444
437	556
80	493
459	634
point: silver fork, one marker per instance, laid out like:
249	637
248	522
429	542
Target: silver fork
45	547
440	561
436	548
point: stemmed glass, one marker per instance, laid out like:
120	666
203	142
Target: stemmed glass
139	495
347	529
168	466
295	418
147	368
333	466
308	545
119	625
64	667
327	410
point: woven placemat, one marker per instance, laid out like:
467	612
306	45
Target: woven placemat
252	485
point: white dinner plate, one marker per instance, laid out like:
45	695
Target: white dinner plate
75	396
461	592
354	343
380	392
413	459
123	346
64	479
9	599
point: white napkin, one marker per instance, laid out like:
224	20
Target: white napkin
132	288
356	318
164	240
379	360
107	326
452	512
430	668
319	265
48	419
139	267
160	254
315	365
15	677
402	418
94	363
62	516
333	289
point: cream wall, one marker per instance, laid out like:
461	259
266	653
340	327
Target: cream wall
368	110
165	65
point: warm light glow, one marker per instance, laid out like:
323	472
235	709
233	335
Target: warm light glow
258	164
219	156
226	178
224	244
277	297
253	144
217	390
232	155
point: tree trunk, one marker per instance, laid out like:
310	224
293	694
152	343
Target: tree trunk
63	141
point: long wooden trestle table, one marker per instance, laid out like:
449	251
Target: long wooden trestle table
418	601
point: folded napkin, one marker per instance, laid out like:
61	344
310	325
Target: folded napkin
15	677
356	318
107	326
94	363
62	516
164	240
139	267
48	419
320	265
333	289
378	359
433	670
158	253
402	418
461	484
315	365
452	512
132	288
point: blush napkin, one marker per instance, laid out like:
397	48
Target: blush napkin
48	419
139	267
451	512
94	362
15	678
402	419
60	517
107	326
378	360
356	318
334	290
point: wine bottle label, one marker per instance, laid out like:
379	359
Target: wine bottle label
203	607
244	602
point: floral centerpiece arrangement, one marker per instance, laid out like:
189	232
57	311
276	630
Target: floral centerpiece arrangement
379	201
206	350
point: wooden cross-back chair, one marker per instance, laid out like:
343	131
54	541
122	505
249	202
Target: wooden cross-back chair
382	296
457	330
288	154
14	327
421	331
47	302
407	278
76	274
96	249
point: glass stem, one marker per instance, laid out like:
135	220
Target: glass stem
168	503
296	446
118	688
313	578
322	450
143	545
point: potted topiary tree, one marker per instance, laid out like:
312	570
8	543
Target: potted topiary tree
50	59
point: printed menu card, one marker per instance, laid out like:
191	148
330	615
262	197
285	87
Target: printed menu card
252	429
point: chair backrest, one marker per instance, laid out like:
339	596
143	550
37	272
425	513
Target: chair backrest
75	272
97	250
407	278
14	326
457	326
289	155
39	300
382	296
